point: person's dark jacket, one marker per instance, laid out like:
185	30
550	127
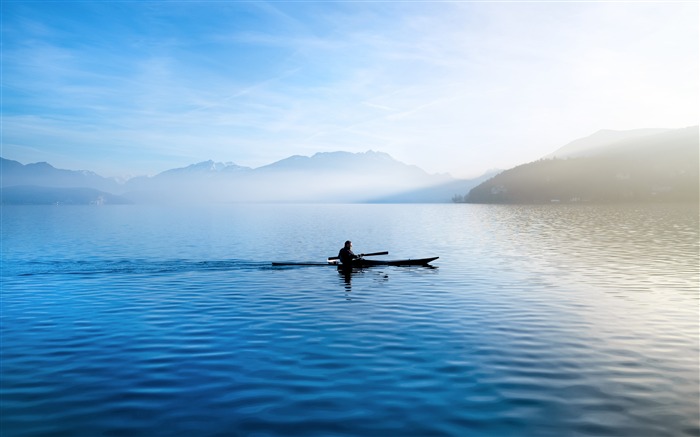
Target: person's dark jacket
346	256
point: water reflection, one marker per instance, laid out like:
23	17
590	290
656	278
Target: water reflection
652	247
346	275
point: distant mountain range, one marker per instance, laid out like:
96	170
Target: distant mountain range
609	166
646	165
42	174
34	195
324	177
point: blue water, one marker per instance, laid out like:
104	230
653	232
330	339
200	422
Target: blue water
537	321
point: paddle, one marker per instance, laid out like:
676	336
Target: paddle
361	255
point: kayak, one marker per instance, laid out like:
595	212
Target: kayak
362	262
292	263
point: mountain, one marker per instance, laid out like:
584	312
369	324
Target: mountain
331	162
651	167
32	195
436	193
196	182
600	140
340	177
43	174
205	168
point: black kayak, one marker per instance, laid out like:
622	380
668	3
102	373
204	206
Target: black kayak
362	262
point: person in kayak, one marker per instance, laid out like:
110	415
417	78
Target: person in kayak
346	254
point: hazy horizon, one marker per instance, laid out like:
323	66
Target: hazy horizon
127	89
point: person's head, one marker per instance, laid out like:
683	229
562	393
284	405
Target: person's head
348	244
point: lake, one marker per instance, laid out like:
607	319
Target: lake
555	320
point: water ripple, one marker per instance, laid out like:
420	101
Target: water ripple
538	322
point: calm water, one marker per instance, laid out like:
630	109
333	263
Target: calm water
538	321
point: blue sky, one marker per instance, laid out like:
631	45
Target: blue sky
128	88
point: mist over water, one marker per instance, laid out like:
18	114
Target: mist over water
549	320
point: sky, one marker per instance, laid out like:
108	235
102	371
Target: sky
127	88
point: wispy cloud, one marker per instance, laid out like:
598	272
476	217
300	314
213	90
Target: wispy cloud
429	83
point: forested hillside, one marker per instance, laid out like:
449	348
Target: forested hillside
661	167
